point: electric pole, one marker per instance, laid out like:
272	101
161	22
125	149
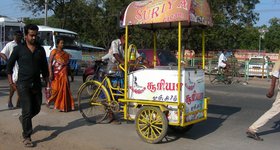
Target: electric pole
46	12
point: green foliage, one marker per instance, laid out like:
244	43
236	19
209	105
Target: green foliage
272	37
97	22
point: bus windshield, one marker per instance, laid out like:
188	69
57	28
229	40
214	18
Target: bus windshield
9	31
71	41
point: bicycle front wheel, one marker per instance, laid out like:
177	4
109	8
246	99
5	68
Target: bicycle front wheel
92	104
213	74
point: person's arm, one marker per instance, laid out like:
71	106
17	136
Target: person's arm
116	52
50	64
5	52
3	56
118	58
274	77
44	67
106	57
224	59
270	92
10	65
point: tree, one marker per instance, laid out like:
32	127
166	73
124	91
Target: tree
97	22
230	18
272	37
60	8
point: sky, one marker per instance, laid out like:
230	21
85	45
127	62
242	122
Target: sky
266	8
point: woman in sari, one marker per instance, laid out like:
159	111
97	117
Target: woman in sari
60	88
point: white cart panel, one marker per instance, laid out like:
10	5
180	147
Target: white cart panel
161	85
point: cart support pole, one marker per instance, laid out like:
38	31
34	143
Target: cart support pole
179	70
125	70
203	49
155	48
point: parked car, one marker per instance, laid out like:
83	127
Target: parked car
164	58
259	66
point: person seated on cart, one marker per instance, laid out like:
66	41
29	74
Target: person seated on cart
116	54
222	62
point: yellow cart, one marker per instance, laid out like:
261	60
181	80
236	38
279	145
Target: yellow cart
160	97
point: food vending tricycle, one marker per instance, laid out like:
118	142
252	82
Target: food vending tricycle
156	98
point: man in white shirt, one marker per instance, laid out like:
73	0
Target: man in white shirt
273	111
116	52
109	56
5	54
222	63
117	48
116	56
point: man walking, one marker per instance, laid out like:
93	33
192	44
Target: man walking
273	111
32	61
5	54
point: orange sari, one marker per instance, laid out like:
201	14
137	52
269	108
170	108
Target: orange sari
60	86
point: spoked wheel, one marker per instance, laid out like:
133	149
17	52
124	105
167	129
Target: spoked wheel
151	124
228	79
213	74
89	77
237	77
89	88
92	105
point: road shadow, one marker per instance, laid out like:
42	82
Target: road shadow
217	115
3	75
59	129
275	128
4	90
8	109
199	130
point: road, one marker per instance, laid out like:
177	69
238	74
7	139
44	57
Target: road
232	109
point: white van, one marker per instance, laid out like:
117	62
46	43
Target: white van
258	66
7	28
48	36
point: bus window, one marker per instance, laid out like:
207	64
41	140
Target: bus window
9	31
46	38
70	40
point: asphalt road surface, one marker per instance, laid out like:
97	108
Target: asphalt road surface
232	109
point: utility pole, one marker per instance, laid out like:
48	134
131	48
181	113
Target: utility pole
46	12
262	32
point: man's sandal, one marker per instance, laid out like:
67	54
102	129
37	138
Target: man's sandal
253	135
27	142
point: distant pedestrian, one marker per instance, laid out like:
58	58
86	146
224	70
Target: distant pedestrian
273	111
222	63
5	54
60	87
32	61
73	66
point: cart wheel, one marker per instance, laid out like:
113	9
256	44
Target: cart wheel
151	124
92	105
181	130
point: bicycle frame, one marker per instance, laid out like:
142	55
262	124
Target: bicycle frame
107	83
